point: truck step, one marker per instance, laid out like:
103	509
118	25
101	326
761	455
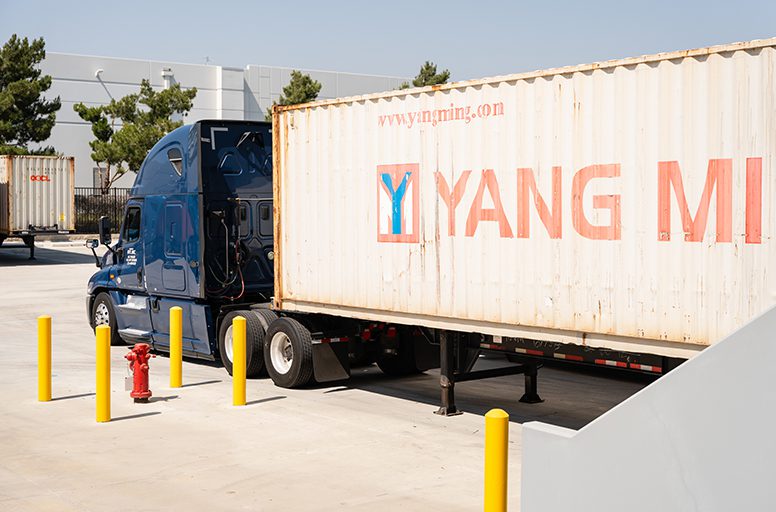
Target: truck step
135	335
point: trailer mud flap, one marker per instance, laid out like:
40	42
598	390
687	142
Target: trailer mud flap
330	361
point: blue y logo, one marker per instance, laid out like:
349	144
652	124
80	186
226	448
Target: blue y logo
397	201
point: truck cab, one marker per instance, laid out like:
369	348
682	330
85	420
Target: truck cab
197	233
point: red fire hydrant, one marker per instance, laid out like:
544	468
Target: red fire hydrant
138	362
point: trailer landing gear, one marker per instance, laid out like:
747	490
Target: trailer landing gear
452	369
29	241
447	373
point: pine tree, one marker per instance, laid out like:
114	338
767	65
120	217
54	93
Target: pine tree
300	89
25	116
145	118
428	76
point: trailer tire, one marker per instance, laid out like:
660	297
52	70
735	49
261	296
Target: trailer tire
403	362
103	313
288	351
254	340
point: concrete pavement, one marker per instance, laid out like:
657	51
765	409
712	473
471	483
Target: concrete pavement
371	443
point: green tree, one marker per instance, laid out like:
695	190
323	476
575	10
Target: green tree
300	89
144	118
428	76
25	116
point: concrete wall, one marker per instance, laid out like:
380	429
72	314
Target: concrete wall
700	438
223	93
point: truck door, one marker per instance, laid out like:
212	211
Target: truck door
129	271
132	305
174	265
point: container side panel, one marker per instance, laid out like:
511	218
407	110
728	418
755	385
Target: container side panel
42	194
634	201
5	170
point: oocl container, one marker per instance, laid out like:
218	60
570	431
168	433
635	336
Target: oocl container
36	195
627	204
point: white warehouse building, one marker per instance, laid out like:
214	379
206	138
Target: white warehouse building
222	93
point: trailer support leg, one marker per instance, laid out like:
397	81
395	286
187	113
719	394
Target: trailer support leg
531	395
29	241
447	373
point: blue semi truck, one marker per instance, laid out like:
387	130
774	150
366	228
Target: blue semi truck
198	233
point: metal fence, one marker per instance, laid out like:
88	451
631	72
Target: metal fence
93	203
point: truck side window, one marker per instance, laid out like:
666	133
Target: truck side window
176	159
132	224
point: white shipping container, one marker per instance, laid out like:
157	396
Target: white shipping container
627	204
36	194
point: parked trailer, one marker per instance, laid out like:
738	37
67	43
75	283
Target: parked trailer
615	214
589	213
36	197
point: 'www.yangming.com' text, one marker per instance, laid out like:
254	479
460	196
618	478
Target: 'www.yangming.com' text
442	115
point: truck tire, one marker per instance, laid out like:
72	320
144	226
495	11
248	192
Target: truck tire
288	351
403	362
254	340
265	316
103	313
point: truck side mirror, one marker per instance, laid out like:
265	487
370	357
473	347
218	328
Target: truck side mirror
93	244
104	228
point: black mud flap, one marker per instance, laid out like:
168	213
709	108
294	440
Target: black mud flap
330	361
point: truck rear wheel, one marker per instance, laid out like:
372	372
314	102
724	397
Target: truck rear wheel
254	340
103	313
288	351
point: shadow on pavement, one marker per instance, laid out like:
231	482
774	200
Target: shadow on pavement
263	400
203	383
162	398
573	397
18	255
70	397
133	416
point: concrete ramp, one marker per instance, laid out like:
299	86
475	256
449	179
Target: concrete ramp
701	438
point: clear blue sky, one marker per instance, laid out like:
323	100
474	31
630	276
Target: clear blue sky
472	38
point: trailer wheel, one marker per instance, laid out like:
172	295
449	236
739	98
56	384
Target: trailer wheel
103	313
403	361
254	339
288	351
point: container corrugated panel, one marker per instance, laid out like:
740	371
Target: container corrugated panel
5	164
626	204
37	194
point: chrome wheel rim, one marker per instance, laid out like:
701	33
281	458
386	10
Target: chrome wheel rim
281	352
101	314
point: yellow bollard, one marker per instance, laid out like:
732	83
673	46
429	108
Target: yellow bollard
176	347
103	373
44	358
496	445
238	361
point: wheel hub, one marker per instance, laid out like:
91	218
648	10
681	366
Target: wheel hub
101	314
281	353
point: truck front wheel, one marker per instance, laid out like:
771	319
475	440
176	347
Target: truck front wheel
254	339
288	352
103	313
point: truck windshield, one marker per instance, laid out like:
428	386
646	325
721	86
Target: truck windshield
237	149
